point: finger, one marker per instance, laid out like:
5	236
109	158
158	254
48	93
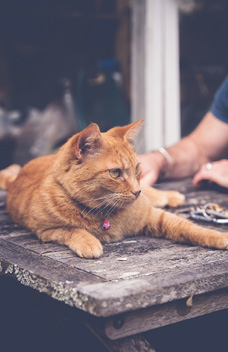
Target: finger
200	176
148	179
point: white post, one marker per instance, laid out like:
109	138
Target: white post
138	68
171	82
154	74
159	70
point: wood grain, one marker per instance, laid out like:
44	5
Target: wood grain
165	314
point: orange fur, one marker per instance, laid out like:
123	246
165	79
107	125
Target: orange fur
8	175
66	196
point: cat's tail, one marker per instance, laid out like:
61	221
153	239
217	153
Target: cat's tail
8	175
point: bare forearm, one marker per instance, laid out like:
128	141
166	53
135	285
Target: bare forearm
205	143
187	157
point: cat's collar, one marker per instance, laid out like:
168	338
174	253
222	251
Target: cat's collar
105	225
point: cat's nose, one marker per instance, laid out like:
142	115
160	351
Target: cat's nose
136	193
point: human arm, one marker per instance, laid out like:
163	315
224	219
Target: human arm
206	143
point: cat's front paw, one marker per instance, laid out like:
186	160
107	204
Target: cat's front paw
220	241
87	247
175	199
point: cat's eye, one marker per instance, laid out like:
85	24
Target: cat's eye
115	173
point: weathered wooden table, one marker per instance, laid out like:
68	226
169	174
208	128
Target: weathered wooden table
137	285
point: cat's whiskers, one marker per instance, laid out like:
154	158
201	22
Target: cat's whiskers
108	198
109	205
102	206
95	210
110	210
107	201
100	198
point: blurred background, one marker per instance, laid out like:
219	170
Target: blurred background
64	64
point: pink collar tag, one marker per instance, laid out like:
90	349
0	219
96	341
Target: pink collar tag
105	225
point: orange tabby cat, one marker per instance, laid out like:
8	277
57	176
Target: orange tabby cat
89	192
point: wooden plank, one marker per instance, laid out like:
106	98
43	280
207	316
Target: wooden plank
144	320
133	344
7	226
46	275
121	260
136	343
117	257
140	261
30	241
115	297
39	265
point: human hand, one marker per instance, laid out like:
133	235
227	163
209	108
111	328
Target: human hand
151	164
214	172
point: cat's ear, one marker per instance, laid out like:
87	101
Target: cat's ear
128	132
88	142
133	130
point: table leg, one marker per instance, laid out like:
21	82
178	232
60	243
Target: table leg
135	343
